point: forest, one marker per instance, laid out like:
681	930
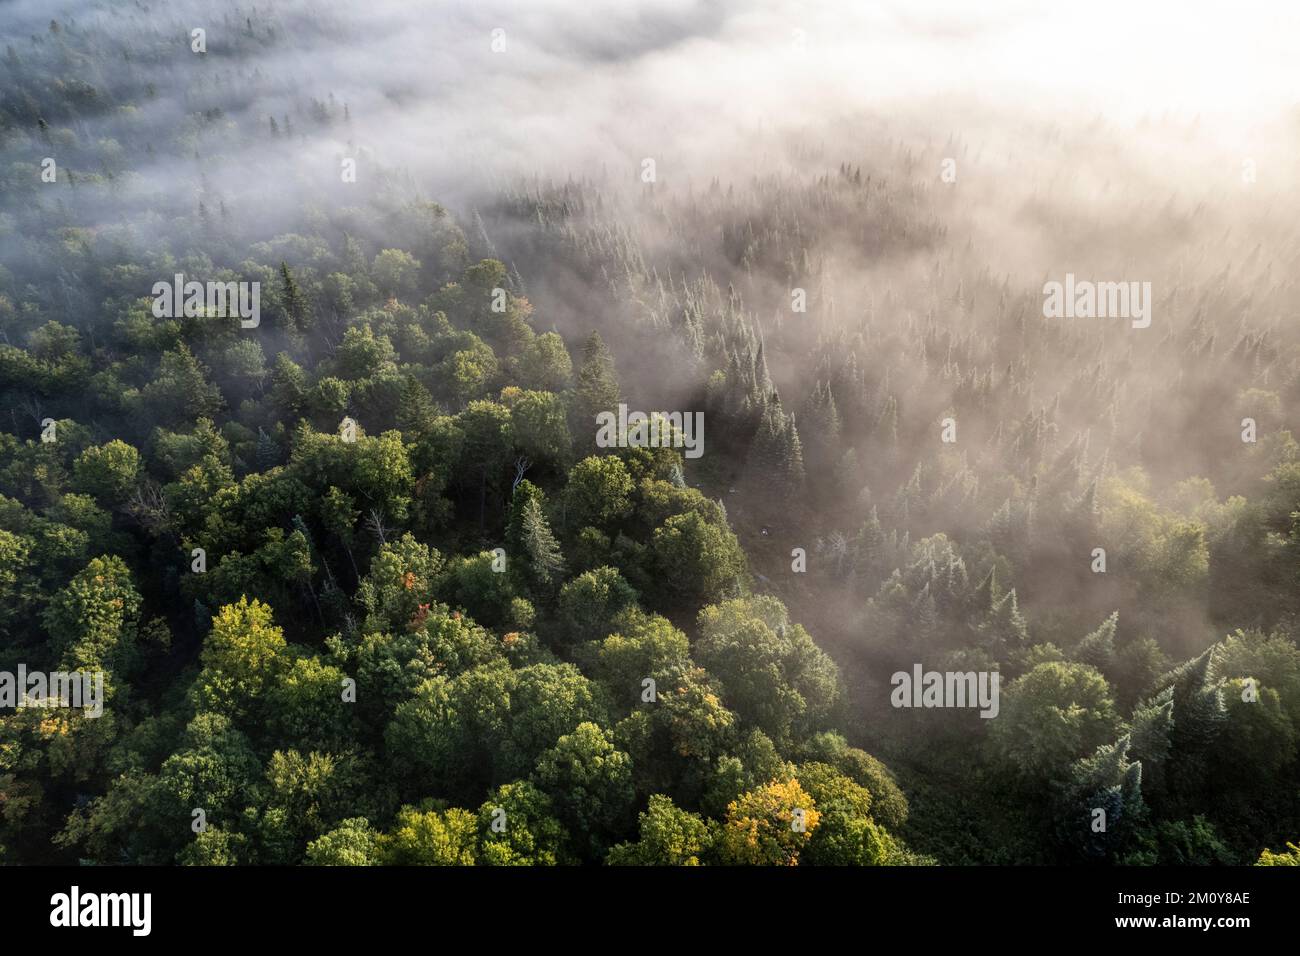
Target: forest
367	586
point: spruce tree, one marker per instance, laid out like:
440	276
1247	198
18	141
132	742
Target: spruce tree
544	559
870	549
768	455
824	417
792	460
416	410
985	596
268	451
1149	731
1098	648
1108	781
524	492
1005	627
597	390
291	297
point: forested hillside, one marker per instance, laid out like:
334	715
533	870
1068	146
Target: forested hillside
366	589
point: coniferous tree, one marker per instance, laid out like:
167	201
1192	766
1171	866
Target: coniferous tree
1102	802
523	493
292	299
869	551
544	558
1098	648
821	420
792	455
1149	732
768	456
268	451
984	597
597	389
1004	627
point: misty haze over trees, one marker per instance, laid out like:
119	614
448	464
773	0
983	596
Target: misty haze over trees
366	590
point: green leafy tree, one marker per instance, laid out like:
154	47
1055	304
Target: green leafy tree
641	645
888	804
216	769
352	843
524	492
395	272
17	587
244	656
547	701
598	493
846	834
1053	715
589	603
517	827
474	584
400	581
541	430
590	781
108	472
545	364
448	733
93	622
669	836
695	562
678	738
487	448
431	838
772	673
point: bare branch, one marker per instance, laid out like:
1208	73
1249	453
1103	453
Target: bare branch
522	465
